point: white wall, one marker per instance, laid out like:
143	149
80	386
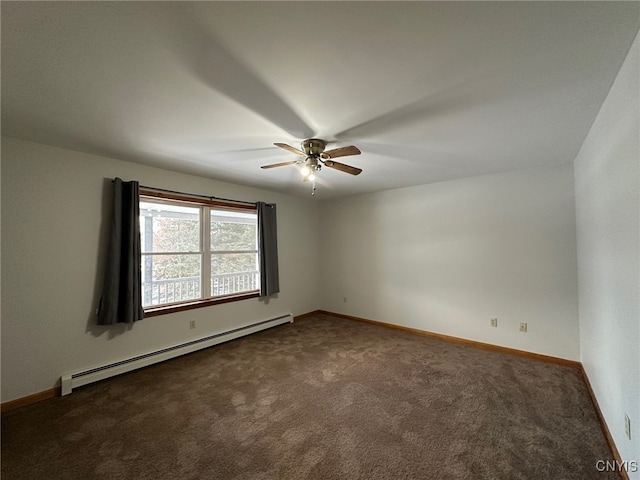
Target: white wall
447	257
53	241
607	189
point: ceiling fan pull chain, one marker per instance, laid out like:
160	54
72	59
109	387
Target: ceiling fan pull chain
313	188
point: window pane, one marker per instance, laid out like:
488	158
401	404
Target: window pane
170	278
233	263
233	231
234	273
169	228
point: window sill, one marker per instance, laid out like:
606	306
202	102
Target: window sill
179	307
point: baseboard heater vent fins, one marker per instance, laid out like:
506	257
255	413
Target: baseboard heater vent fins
73	380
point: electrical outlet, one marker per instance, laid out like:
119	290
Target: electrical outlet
523	327
192	324
627	426
494	322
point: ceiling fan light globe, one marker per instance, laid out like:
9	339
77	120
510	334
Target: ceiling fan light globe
311	177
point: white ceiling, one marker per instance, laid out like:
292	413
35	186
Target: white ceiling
429	91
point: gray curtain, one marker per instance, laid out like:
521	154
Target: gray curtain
121	300
268	249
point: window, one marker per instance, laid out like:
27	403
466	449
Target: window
196	253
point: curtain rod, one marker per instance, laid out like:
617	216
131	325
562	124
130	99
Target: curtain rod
208	197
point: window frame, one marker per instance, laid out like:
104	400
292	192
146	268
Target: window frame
147	194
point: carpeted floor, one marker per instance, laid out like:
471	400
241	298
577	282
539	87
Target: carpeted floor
324	398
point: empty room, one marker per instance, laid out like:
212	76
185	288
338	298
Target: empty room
320	240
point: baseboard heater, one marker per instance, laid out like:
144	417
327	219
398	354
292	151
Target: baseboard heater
73	380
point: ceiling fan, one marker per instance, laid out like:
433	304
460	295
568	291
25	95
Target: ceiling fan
315	157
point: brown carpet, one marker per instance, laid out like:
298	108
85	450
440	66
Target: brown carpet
324	398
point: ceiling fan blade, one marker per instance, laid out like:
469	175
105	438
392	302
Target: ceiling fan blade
343	168
281	164
342	152
290	148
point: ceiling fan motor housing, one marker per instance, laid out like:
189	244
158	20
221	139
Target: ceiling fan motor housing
313	146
